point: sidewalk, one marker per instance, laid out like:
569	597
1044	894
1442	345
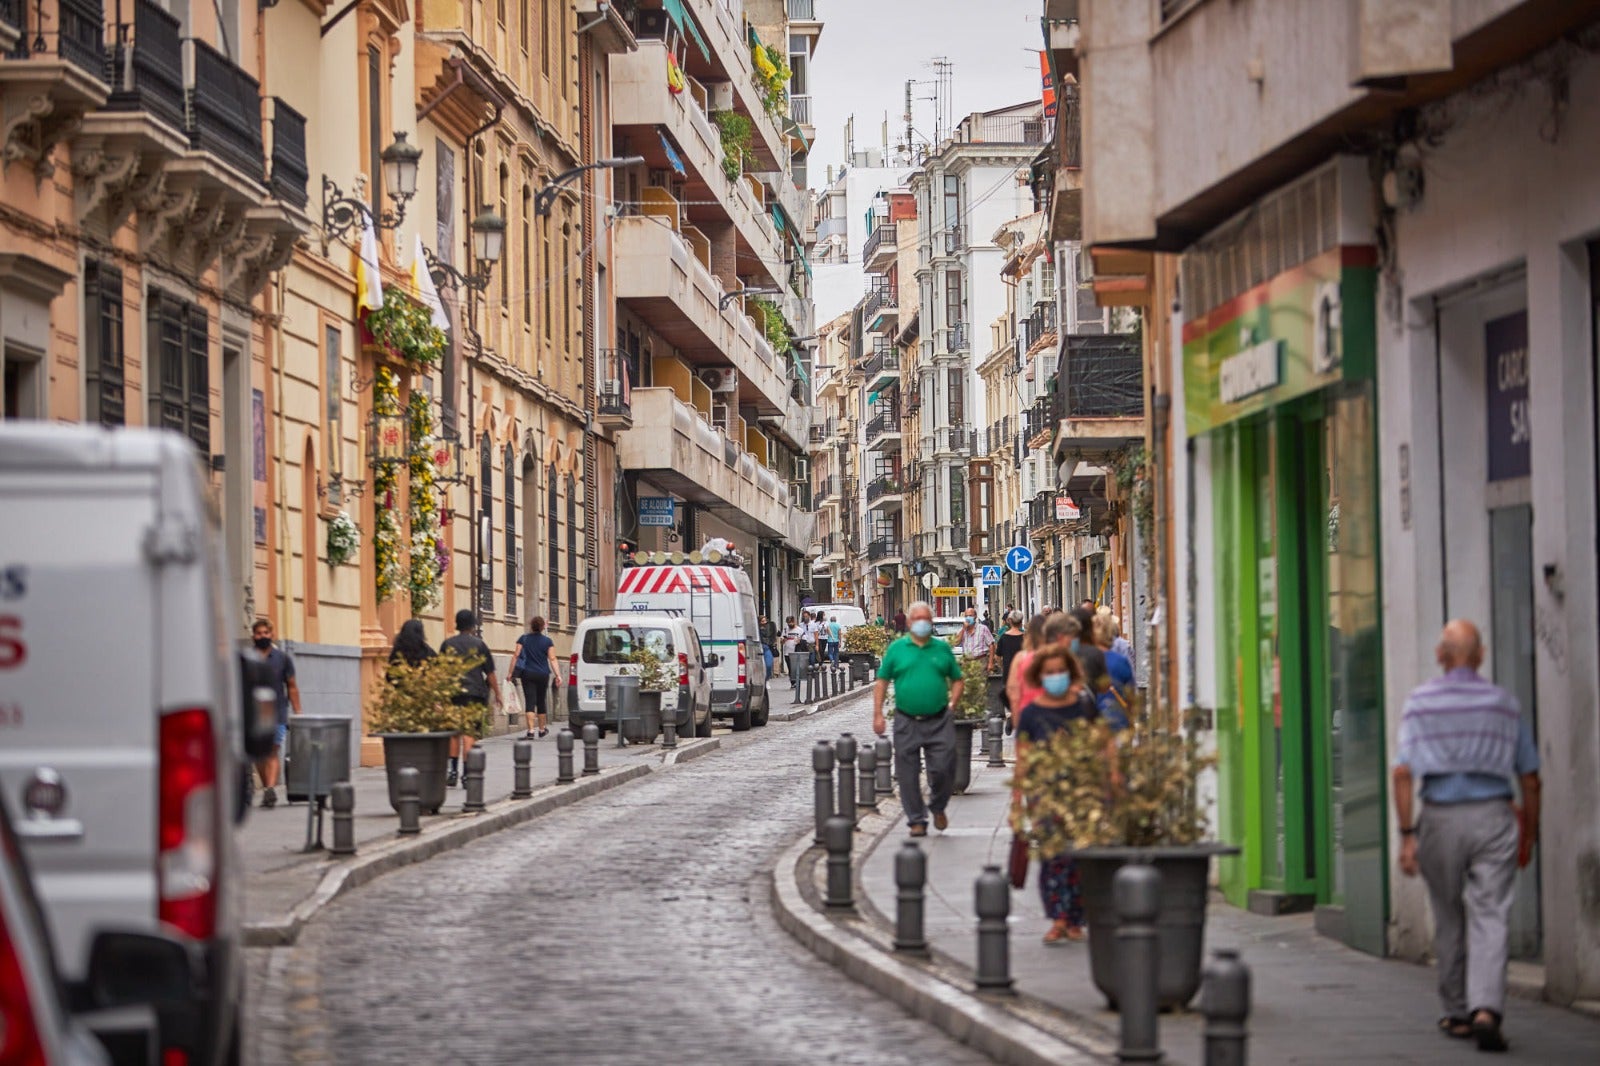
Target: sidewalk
1313	999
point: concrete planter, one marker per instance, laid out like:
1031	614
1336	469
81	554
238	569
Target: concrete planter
646	725
1185	873
965	727
430	754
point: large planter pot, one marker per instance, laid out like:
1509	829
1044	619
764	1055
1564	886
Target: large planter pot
964	731
1185	873
430	754
646	726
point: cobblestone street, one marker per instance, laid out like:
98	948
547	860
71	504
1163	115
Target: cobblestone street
631	928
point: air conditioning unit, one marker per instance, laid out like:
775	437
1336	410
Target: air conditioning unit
720	416
802	469
721	379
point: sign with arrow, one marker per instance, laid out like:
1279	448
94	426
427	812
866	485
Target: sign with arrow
1019	560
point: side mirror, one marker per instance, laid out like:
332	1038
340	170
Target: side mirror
140	969
259	704
713	659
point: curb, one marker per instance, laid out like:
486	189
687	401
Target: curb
798	711
1010	1030
691	751
381	859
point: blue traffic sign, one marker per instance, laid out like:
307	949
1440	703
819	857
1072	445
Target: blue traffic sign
991	575
1019	560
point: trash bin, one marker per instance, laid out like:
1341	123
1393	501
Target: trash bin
861	669
317	755
622	703
799	663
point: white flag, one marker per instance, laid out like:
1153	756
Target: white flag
369	279
427	292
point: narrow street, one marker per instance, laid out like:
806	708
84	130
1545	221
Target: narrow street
631	928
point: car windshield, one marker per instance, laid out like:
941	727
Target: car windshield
947	627
615	644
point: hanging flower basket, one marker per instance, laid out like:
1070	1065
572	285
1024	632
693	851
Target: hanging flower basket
405	329
344	537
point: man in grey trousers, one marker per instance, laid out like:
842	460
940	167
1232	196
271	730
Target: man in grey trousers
1466	739
927	683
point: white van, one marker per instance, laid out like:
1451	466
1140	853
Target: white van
121	734
718	599
604	645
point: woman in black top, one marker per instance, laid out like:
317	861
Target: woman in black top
534	666
1006	648
411	645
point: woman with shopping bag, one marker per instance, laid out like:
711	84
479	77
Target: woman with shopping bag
535	666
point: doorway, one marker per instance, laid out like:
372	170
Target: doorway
1511	649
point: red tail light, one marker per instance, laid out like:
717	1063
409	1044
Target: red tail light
186	868
741	664
683	669
572	672
19	1035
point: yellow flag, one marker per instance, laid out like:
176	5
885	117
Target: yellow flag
427	292
369	280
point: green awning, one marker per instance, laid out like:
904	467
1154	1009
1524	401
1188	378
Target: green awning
680	15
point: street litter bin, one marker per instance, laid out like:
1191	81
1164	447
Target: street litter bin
799	663
317	755
622	705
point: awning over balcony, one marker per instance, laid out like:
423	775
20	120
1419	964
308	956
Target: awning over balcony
685	22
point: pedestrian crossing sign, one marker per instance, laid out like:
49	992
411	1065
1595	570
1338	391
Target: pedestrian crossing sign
991	575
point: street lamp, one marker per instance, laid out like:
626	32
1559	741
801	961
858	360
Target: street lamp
546	196
488	245
729	297
341	213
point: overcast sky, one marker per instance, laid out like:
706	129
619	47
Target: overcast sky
870	47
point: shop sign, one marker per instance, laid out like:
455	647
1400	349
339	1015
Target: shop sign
657	511
1067	510
1505	348
952	591
1256	369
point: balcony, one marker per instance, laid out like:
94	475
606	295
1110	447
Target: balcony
729	47
881	369
289	175
883	431
614	399
52	71
827	492
953	240
800	109
225	111
881	249
1103	398
949	442
802	10
832	549
1043	417
885	493
885	549
686	455
669	286
1040	326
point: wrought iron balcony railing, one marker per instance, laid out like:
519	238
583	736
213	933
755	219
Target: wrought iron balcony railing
83	32
290	175
887	235
800	109
1104	377
885	485
225	111
147	63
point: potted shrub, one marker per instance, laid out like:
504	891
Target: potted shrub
1115	798
866	645
413	713
970	713
656	679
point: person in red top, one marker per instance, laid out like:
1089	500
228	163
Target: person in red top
1057	629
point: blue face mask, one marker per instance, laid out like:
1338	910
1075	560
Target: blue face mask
921	627
1057	684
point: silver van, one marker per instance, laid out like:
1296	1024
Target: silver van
604	645
121	730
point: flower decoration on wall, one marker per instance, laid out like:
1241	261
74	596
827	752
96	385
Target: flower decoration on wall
426	571
344	537
405	327
386	491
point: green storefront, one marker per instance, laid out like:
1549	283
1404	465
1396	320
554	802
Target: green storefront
1280	379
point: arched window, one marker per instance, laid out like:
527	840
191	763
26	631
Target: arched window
512	555
530	525
527	250
485	575
572	550
554	543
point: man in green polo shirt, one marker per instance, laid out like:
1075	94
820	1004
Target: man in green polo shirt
927	683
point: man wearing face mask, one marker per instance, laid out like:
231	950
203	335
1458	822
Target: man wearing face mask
281	669
977	639
927	683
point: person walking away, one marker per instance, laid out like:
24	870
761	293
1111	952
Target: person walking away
814	636
1063	698
792	635
927	684
769	641
1089	655
1119	643
835	635
1045	630
1117	696
534	667
899	621
280	667
977	639
476	685
411	645
1465	740
1006	648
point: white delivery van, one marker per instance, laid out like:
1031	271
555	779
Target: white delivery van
121	733
718	599
604	645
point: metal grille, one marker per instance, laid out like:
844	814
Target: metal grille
225	111
1105	377
572	551
82	41
102	316
147	64
485	575
510	476
289	172
179	338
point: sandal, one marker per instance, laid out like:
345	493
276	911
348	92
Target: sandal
1059	932
1456	1028
1076	932
1488	1034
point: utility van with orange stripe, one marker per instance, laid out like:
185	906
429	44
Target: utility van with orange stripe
711	590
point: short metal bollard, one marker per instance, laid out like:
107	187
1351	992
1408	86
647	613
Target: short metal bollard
867	777
564	744
342	797
836	838
822	789
844	753
409	789
1225	1001
910	879
472	780
811	683
522	769
983	740
995	729
669	725
591	749
1136	891
885	752
992	899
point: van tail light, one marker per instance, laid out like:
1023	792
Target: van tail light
572	672
683	669
187	865
741	664
19	1034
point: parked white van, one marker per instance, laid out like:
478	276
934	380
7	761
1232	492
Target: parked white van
604	645
121	735
717	597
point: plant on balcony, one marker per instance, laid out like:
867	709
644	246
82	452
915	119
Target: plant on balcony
773	325
344	537
424	577
738	134
406	329
1132	471
386	491
772	76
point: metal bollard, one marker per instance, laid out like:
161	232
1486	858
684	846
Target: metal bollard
472	780
836	838
669	725
822	798
844	752
342	797
522	769
564	743
410	788
1225	1001
811	683
997	744
1136	891
983	740
867	777
910	879
885	757
992	899
591	749
850	678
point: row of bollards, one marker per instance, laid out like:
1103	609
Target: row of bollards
812	682
862	776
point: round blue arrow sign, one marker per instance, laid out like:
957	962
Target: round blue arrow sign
1019	560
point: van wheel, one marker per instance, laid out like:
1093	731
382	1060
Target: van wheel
766	709
703	729
741	721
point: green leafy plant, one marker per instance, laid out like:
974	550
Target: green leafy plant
386	496
1132	473
652	671
419	699
868	640
737	136
974	702
1087	786
772	76
406	328
774	327
425	574
344	537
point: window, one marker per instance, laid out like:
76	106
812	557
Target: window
548	317
952	201
553	541
485	524
333	397
566	289
511	531
565	42
500	13
572	550
375	129
524	23
180	380
503	282
102	343
955	388
544	36
527	249
952	298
